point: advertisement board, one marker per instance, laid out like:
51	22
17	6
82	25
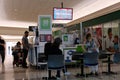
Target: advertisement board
45	23
68	53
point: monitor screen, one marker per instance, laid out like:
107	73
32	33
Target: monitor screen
32	28
62	13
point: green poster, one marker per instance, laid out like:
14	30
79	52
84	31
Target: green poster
45	23
65	38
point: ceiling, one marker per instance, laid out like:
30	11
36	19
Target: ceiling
29	10
17	15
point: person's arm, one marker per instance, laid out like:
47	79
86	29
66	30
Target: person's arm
17	48
97	43
83	46
2	43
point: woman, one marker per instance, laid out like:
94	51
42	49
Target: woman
116	46
91	47
116	57
55	51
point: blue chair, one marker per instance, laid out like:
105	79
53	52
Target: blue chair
55	62
91	59
116	58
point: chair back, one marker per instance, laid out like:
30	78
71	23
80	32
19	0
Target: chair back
116	58
55	61
91	59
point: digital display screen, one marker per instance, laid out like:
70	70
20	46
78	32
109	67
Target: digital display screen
62	13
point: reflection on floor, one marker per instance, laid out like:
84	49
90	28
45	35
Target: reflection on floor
7	72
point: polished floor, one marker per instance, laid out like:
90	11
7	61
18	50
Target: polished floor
7	72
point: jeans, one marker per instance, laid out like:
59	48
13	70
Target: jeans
25	53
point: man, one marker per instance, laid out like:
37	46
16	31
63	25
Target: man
25	44
109	41
2	49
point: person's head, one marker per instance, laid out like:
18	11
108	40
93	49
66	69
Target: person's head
18	43
110	33
115	39
88	37
57	42
26	33
49	39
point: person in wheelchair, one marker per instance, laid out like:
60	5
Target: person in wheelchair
17	54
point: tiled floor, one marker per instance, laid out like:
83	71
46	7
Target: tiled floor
7	72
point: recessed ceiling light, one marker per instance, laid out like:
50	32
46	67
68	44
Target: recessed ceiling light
15	9
14	18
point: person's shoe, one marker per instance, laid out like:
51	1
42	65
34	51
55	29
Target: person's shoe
50	78
17	64
91	73
45	78
96	74
58	78
67	73
25	67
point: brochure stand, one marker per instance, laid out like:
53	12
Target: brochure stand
45	34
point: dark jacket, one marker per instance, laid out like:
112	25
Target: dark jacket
55	51
47	49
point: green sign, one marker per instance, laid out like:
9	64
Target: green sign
45	23
65	38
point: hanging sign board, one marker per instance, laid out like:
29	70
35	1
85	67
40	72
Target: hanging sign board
45	23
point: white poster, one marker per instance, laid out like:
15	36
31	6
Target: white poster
68	54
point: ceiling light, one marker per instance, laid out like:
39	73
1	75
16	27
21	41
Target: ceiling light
15	9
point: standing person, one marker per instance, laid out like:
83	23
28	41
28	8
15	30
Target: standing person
2	49
25	44
91	47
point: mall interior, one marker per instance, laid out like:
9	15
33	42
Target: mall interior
70	20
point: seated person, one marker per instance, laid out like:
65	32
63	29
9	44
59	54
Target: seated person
116	46
16	53
91	47
110	41
116	57
77	41
47	48
53	49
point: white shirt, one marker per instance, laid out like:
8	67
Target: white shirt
109	43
